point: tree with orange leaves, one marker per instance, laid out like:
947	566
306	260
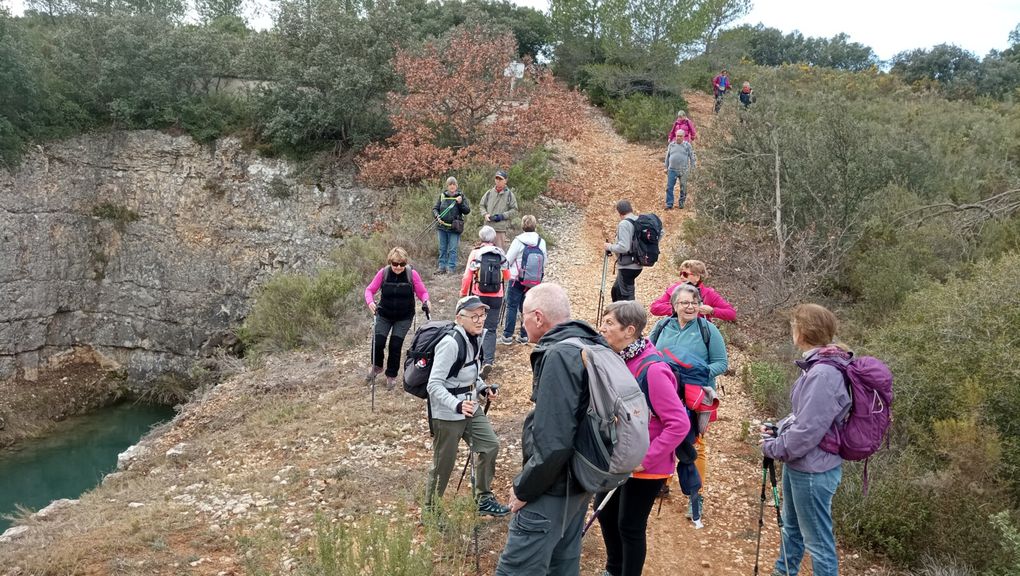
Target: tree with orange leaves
458	109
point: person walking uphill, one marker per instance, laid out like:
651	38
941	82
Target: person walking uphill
527	257
449	212
498	206
484	276
399	285
454	406
819	401
549	505
627	266
680	160
624	519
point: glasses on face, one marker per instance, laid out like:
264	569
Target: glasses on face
474	317
398	264
686	304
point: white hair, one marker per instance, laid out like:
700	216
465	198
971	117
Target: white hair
552	300
487	234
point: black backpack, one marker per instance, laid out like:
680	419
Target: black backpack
422	353
490	272
645	244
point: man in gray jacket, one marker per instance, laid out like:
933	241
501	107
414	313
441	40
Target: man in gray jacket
498	205
680	160
456	412
627	266
549	505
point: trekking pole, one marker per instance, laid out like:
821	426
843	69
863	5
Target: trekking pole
761	512
602	288
468	460
371	369
474	529
595	514
771	465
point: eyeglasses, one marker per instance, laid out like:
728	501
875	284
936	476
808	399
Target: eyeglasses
474	317
398	263
687	304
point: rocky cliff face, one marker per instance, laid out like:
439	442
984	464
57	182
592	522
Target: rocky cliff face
144	246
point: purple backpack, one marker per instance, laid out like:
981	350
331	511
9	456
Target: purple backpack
869	383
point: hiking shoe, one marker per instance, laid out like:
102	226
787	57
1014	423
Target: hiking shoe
665	492
522	339
391	382
506	340
372	373
489	506
698	525
486	369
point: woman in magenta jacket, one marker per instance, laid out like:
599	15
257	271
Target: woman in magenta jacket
712	304
683	123
625	518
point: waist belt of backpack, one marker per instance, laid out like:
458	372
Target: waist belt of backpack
461	390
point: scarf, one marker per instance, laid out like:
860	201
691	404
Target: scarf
634	349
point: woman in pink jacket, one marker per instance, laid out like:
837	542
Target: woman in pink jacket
625	518
712	304
683	123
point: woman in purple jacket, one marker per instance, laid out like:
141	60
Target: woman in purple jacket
819	400
625	518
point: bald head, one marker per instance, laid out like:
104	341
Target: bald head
545	306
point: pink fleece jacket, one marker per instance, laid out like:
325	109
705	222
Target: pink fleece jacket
670	425
721	309
376	284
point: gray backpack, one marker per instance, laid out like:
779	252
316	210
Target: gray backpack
613	438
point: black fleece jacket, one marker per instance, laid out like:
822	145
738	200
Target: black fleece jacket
560	393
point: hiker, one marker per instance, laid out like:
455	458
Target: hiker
746	95
498	206
527	257
683	123
819	400
399	284
685	334
484	276
713	305
456	411
549	504
624	519
627	266
680	160
449	211
720	86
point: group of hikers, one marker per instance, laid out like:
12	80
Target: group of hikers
721	85
675	366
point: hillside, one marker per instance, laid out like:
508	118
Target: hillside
243	480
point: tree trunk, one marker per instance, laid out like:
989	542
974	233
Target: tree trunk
780	232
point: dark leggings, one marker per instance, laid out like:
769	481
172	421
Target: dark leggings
624	521
623	287
383	327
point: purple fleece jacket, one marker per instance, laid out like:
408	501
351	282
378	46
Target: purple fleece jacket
669	426
819	399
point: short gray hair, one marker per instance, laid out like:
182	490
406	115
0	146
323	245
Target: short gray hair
487	234
552	300
629	313
451	180
684	288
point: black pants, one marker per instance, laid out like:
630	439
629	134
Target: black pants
623	287
624	522
383	327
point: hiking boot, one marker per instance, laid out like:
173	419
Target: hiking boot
486	369
441	271
372	373
508	340
489	506
391	382
522	339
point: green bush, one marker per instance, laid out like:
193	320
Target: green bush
640	118
769	386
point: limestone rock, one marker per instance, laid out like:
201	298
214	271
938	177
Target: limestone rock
125	458
54	507
13	533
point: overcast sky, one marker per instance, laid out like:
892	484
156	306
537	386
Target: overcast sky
887	26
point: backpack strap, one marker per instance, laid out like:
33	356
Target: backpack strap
706	334
461	360
642	379
653	337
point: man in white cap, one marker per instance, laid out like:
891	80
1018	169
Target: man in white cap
454	394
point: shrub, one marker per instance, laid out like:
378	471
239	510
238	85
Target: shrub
640	118
769	385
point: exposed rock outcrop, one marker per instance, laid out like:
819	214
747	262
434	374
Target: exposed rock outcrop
144	246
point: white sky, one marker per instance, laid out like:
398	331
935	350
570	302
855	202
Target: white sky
888	26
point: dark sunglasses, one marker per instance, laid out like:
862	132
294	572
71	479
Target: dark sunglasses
398	263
